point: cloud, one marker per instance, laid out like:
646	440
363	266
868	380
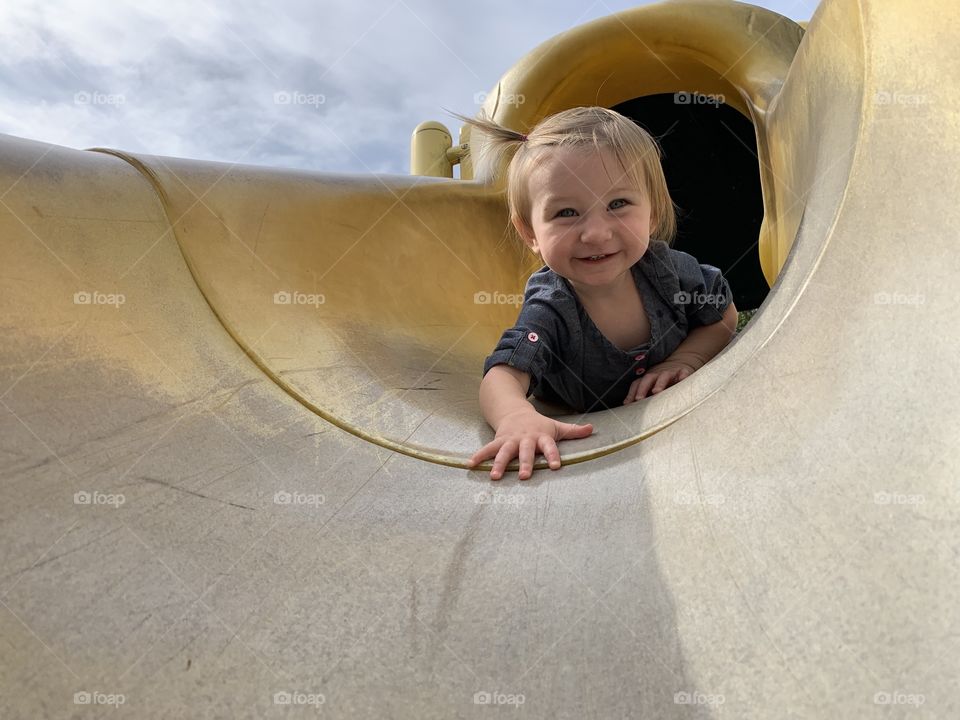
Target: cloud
328	86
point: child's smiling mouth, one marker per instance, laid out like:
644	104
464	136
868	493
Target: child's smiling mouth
595	259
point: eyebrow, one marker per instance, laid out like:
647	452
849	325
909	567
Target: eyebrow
564	198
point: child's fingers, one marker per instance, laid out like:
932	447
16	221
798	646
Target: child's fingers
664	380
526	453
645	384
548	447
572	431
655	382
508	451
670	378
487	451
679	375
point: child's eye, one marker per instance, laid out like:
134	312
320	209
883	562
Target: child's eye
619	200
561	212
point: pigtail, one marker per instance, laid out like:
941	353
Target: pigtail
490	143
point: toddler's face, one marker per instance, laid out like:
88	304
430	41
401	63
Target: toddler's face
584	205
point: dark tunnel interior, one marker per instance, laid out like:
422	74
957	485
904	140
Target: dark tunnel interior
710	162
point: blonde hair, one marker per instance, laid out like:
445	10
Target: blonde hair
589	127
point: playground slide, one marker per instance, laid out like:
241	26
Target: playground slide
236	405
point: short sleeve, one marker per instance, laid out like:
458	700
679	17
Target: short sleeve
532	343
704	292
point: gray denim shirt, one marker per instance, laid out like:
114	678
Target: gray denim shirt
571	362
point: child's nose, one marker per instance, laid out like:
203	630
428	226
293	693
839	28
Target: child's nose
595	228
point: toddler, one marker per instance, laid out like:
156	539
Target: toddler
615	314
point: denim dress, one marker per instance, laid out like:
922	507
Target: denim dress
572	363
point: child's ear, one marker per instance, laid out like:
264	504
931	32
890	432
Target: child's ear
525	231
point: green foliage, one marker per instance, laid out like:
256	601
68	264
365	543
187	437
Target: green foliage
743	317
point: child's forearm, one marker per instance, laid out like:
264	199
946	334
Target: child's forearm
705	341
503	391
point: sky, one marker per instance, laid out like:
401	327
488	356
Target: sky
327	86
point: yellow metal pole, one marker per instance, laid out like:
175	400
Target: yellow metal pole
428	150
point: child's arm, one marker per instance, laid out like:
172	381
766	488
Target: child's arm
521	431
701	344
704	342
503	391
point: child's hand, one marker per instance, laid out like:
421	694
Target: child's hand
522	434
657	378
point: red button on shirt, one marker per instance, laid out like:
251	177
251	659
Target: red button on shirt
533	337
641	371
641	356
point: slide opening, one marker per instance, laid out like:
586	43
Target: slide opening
712	170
